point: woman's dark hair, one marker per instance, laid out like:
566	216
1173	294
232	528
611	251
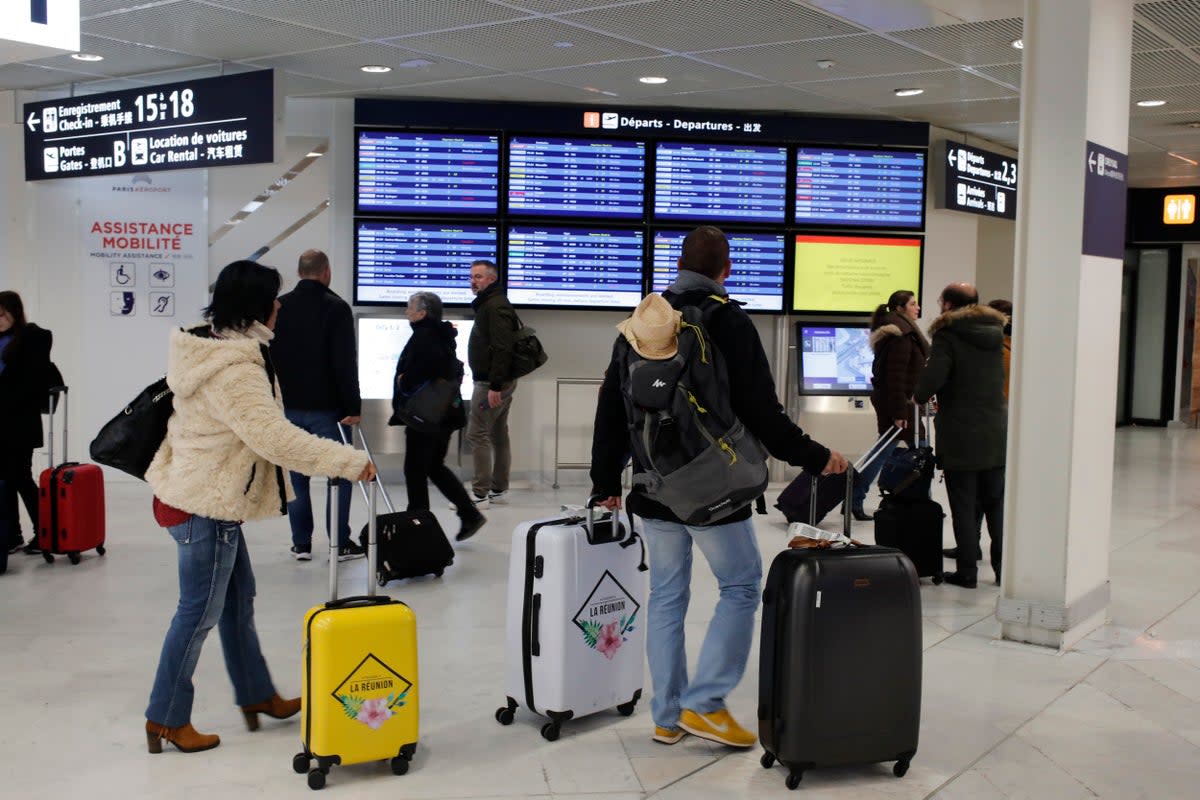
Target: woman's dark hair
897	301
11	302
244	293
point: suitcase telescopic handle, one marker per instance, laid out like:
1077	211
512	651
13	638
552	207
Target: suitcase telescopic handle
54	392
335	534
359	600
362	437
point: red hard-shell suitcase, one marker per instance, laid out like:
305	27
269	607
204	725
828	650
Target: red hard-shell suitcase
70	502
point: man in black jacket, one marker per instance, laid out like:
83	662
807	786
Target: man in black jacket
490	351
317	365
680	706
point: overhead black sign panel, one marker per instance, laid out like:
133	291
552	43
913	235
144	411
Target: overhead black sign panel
213	122
977	181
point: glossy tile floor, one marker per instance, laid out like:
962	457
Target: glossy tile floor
1118	717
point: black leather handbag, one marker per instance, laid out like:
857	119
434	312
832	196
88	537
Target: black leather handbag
129	440
434	407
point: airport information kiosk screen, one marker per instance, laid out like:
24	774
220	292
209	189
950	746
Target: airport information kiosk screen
402	172
600	178
570	267
860	188
396	259
720	182
757	277
834	359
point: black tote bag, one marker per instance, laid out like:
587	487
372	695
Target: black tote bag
129	440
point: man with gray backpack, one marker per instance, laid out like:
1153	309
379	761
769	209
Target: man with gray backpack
689	395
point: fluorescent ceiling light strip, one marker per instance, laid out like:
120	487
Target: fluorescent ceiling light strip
290	229
269	192
1183	158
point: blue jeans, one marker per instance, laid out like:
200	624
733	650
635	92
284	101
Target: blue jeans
216	587
732	554
864	479
300	514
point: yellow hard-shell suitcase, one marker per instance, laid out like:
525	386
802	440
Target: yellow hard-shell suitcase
359	700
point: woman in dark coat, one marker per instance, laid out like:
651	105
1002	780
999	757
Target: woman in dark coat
24	378
429	355
900	352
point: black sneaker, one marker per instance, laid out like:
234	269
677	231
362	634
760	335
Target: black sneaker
302	553
32	548
350	551
955	579
470	527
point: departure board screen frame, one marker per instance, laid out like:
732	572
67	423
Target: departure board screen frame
456	295
732	284
513	271
857	338
851	239
524	212
848	221
656	179
491	195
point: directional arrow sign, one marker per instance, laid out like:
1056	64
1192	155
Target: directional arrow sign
950	157
33	121
1091	161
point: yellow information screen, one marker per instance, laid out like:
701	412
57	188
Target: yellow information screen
853	273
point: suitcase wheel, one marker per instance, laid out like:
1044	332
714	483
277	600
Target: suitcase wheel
74	558
399	765
550	731
767	761
937	581
100	549
300	763
900	768
793	779
504	715
626	709
316	779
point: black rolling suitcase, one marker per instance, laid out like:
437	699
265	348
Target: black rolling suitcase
411	543
908	519
840	659
796	499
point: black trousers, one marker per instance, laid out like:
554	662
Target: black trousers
976	493
424	461
19	486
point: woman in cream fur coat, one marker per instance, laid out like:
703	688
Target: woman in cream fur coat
222	463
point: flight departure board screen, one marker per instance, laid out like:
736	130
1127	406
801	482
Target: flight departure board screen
404	172
396	259
720	182
600	178
757	275
862	188
574	267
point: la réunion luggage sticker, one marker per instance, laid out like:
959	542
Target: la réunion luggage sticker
607	616
372	693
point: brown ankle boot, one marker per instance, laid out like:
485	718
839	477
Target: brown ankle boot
276	708
185	738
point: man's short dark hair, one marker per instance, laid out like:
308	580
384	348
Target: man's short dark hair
706	251
244	293
312	264
490	265
957	298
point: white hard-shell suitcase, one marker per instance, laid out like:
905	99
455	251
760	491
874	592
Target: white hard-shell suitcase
575	640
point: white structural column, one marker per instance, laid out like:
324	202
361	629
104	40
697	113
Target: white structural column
1067	293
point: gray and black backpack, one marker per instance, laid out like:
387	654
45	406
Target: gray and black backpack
699	460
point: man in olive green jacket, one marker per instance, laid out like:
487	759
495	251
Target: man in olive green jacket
490	352
966	372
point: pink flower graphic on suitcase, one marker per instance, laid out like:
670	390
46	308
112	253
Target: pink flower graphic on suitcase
609	641
374	712
607	616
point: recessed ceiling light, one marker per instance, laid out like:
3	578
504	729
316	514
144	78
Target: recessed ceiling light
313	154
1151	103
909	92
375	68
564	44
654	79
86	57
1018	43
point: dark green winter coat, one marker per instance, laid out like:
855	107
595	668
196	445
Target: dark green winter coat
966	372
490	348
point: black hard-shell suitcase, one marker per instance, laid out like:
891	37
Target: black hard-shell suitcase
840	659
411	543
915	528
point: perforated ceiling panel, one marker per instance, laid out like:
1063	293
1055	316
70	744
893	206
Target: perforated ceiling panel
970	44
1144	40
941	86
1003	133
191	27
1005	73
1178	18
1163	68
1180	99
90	8
304	86
26	76
621	78
953	115
121	58
498	87
563	6
854	56
687	25
526	45
377	19
342	64
766	98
